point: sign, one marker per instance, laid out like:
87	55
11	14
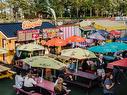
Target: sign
28	24
35	36
50	32
26	35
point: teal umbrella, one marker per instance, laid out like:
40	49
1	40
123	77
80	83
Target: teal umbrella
117	45
102	49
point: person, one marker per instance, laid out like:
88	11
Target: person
108	85
100	66
18	80
29	83
59	88
72	65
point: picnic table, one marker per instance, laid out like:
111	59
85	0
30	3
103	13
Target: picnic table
45	84
5	72
86	75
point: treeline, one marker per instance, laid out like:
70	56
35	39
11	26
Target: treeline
20	9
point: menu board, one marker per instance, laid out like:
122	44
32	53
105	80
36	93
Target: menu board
26	35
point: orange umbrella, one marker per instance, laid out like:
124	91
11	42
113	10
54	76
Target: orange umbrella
56	42
75	39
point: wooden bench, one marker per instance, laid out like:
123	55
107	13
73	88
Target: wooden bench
25	92
79	83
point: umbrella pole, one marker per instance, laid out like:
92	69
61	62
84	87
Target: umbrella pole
77	66
42	75
76	69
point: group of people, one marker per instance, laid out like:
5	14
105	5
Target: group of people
26	82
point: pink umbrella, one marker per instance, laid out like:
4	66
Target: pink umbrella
115	32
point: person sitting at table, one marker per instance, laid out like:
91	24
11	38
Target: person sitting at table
72	65
59	88
18	81
29	83
48	74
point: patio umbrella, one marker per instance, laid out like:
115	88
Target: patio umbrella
123	39
3	51
115	32
75	39
56	42
117	45
43	62
102	49
97	36
103	33
30	47
121	63
78	53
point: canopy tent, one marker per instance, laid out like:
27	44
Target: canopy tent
97	36
109	25
121	63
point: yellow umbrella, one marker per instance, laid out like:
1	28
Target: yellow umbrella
78	53
30	47
44	62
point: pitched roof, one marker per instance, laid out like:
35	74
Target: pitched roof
10	29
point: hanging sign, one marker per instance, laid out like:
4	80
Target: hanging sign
28	24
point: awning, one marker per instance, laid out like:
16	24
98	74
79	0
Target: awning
121	63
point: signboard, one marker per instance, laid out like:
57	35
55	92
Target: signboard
50	32
28	24
26	35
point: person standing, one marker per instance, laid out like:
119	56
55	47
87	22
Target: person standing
108	85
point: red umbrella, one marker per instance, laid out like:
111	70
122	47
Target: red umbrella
75	39
115	32
56	42
121	63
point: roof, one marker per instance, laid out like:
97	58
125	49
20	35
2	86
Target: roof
109	25
10	29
